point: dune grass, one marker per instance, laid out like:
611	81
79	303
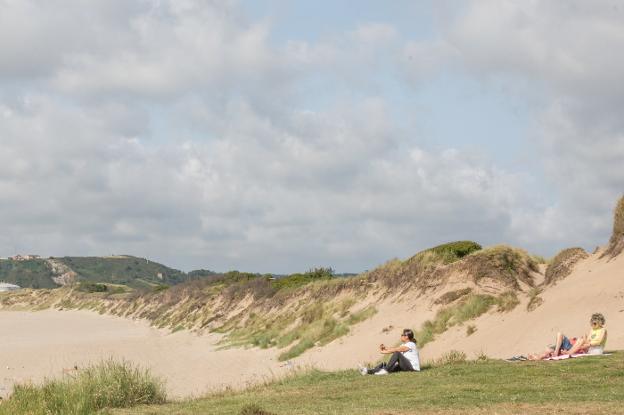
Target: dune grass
471	387
616	242
108	384
468	308
563	263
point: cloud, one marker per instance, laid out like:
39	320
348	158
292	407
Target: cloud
184	132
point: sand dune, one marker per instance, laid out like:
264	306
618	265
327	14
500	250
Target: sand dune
595	285
40	344
49	343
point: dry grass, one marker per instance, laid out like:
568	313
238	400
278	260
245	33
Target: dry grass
505	265
563	263
534	299
616	243
451	296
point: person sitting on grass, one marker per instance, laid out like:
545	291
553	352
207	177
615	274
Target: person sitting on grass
404	358
593	343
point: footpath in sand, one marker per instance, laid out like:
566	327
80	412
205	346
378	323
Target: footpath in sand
50	343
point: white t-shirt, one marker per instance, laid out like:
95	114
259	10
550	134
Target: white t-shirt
412	355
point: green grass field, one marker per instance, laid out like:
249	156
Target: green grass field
591	385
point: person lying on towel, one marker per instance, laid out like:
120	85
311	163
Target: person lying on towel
593	343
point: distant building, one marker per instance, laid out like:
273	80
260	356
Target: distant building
19	257
4	286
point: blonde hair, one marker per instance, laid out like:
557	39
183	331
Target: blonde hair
598	318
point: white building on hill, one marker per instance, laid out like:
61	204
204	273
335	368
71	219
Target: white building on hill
4	286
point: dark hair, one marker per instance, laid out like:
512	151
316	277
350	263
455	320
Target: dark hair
598	318
410	334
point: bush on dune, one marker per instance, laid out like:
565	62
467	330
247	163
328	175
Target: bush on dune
108	384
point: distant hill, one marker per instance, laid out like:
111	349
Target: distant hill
31	273
54	272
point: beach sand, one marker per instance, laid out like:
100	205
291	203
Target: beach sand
50	343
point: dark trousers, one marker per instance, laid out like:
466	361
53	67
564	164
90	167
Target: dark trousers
396	363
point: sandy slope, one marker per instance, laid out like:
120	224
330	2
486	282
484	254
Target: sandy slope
42	344
595	285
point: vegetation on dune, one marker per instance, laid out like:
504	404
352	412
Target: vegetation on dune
468	308
427	269
616	242
297	312
451	296
311	325
108	384
534	298
563	263
506	265
449	386
449	252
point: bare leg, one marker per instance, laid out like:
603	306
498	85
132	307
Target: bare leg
541	356
558	344
581	343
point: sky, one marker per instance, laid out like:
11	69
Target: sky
278	136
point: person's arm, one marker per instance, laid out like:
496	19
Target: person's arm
390	350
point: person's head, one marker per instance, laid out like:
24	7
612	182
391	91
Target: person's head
597	320
408	334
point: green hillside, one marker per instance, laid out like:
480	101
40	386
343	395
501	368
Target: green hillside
32	274
127	270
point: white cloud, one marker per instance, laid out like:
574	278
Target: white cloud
181	131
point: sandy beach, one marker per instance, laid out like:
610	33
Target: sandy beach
50	343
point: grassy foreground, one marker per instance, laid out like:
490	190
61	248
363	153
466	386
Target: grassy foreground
591	385
108	384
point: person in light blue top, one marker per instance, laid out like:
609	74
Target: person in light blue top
404	357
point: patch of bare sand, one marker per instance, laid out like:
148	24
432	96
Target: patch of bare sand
361	345
49	343
595	285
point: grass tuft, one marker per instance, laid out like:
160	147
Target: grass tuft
452	357
108	384
534	299
254	410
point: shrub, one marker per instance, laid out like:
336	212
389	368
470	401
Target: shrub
92	287
298	280
108	384
450	252
563	263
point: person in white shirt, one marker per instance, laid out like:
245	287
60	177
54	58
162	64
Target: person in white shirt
404	358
